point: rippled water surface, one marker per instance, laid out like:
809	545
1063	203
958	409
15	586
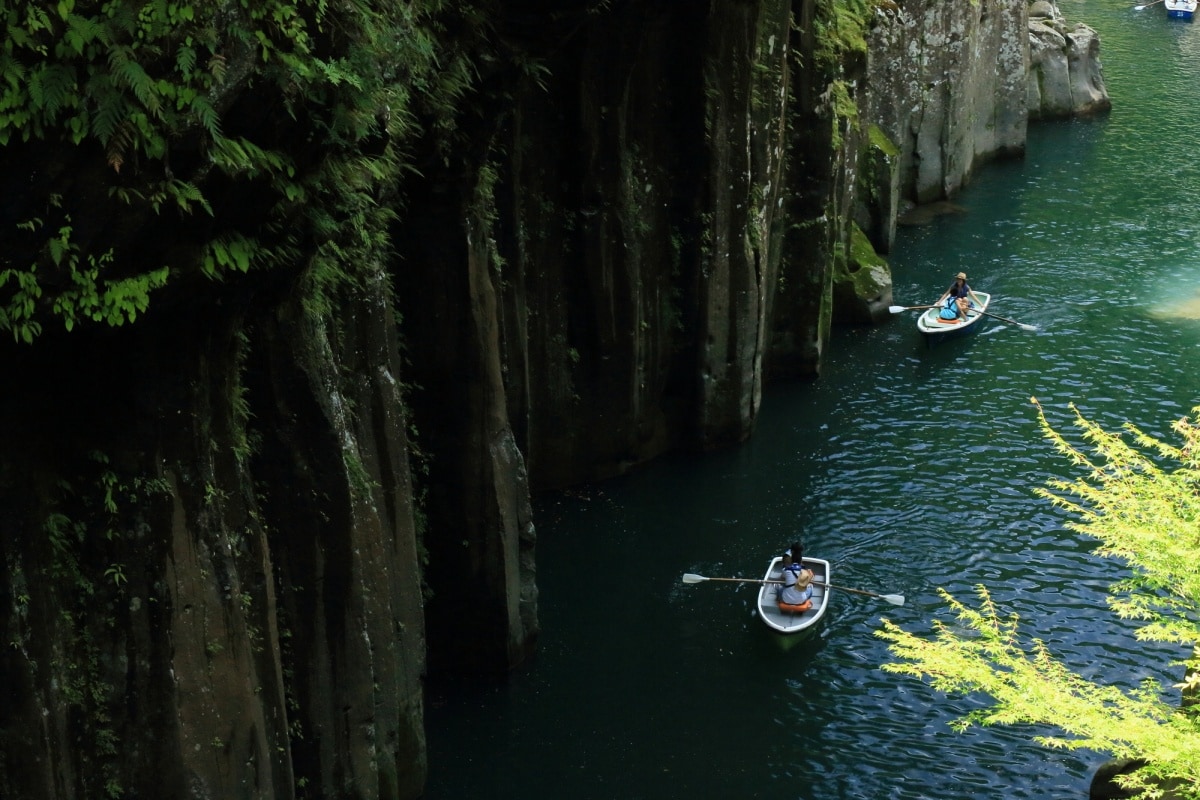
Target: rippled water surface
909	470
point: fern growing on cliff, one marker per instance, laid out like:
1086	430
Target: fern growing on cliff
144	91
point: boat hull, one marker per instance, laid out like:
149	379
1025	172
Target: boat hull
1181	9
788	623
936	330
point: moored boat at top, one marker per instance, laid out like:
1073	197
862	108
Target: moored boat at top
935	329
790	622
1181	9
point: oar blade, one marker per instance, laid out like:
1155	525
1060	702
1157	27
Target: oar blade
894	599
692	577
896	309
1020	325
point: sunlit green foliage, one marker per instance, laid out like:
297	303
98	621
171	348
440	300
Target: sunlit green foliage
1139	499
1145	516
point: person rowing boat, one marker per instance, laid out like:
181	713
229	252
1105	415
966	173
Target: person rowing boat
956	301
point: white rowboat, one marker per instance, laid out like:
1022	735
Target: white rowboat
935	329
788	622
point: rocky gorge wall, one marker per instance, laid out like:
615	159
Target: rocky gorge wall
242	529
671	217
949	89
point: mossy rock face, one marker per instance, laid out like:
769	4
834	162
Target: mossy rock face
880	141
862	284
862	253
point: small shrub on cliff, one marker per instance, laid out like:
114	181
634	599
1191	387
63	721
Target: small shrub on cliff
1144	515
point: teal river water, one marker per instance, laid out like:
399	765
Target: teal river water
908	469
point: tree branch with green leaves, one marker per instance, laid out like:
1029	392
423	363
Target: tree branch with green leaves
1138	498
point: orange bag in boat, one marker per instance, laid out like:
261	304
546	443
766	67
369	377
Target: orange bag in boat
795	609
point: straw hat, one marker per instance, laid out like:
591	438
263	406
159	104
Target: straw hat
962	275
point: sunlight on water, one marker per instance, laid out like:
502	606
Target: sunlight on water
1186	307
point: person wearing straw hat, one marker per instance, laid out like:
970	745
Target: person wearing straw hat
962	296
796	593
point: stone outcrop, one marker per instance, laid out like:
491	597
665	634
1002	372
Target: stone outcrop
1065	75
952	86
946	85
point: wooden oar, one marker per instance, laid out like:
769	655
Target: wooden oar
1139	8
894	599
1020	325
898	309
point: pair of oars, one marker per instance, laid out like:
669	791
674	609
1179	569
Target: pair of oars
1147	5
894	599
1021	325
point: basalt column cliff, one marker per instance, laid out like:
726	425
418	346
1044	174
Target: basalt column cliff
302	301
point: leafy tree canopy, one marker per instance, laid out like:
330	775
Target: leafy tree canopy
1138	497
145	140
